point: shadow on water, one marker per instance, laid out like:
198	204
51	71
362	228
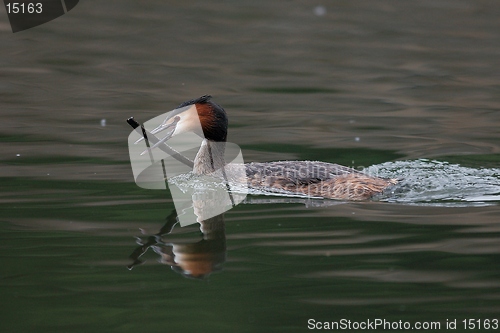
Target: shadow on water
191	259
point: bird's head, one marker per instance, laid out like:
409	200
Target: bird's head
190	115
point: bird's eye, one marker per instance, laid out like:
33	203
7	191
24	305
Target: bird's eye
176	119
172	121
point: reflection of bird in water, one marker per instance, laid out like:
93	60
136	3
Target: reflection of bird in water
194	260
310	178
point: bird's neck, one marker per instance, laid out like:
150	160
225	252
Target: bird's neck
210	157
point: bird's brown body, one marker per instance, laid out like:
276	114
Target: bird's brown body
315	179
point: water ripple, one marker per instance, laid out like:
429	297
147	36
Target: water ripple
440	183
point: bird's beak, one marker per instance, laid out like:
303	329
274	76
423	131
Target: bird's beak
168	124
180	122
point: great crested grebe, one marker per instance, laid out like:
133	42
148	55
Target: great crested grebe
309	178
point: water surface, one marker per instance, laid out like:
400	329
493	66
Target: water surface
400	88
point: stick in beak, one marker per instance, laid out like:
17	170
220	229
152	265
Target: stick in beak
165	148
163	126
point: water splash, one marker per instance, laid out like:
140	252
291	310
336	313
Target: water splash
429	182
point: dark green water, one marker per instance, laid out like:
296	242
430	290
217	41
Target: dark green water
408	89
